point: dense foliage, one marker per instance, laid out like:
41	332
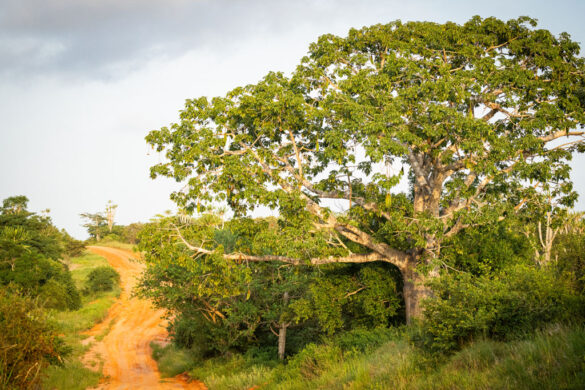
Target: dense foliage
220	305
503	305
30	251
28	342
468	113
103	278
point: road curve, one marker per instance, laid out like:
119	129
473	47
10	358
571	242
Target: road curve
133	323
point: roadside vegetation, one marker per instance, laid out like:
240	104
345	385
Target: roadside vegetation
51	291
548	359
500	321
35	281
95	302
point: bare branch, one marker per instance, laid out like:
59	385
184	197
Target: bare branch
559	134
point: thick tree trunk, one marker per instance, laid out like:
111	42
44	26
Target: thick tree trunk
414	292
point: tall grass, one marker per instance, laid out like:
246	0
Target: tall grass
72	375
551	359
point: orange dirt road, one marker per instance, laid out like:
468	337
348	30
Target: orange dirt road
130	326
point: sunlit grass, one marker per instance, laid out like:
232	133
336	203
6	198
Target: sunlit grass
551	359
72	374
114	244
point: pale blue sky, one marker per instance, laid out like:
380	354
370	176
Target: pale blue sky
83	81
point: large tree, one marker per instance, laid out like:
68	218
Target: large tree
471	111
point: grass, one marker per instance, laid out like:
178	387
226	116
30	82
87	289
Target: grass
113	244
72	375
551	359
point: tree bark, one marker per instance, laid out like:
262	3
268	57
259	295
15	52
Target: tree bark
282	330
282	340
414	291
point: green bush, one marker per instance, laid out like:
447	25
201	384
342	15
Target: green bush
35	275
172	360
501	306
187	333
101	279
313	360
362	340
71	246
28	343
569	251
54	295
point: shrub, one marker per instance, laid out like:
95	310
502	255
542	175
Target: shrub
54	295
500	306
172	360
313	360
362	340
37	275
101	279
71	246
569	251
28	343
186	333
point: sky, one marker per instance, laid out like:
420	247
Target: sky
82	82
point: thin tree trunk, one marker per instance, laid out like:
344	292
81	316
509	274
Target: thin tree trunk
282	340
282	330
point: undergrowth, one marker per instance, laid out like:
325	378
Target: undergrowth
553	358
73	375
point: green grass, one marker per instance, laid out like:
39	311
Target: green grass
72	374
113	244
551	359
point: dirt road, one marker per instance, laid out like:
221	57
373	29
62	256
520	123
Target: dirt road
130	326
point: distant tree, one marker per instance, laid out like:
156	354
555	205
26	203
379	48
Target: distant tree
471	111
71	246
15	204
110	214
95	224
130	232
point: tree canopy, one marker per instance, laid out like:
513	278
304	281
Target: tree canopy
30	251
474	113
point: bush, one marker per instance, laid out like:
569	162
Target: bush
362	340
569	251
502	306
101	279
131	232
54	295
186	333
313	360
71	246
28	343
39	276
173	360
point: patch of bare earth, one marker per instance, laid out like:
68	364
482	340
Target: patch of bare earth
124	352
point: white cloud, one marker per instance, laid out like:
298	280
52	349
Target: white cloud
84	81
